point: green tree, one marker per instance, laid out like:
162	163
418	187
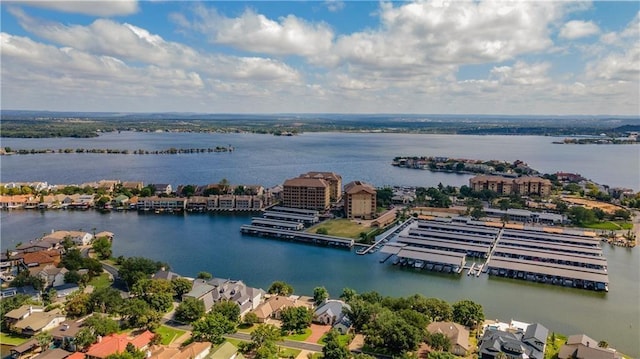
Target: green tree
72	277
204	275
392	334
102	325
361	313
136	268
348	294
181	286
158	293
190	310
229	309
212	328
445	355
320	294
84	338
78	305
322	230
296	319
73	259
250	319
137	313
280	288
468	313
438	341
106	300
332	348
102	247
44	339
436	309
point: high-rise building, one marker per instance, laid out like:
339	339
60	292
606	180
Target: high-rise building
359	200
333	179
307	193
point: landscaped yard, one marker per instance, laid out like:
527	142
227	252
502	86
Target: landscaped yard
245	329
610	226
168	334
343	339
299	337
341	228
101	281
288	352
554	347
12	339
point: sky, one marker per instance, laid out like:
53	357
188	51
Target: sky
333	56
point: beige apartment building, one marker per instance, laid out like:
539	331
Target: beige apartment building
333	179
307	193
505	186
359	200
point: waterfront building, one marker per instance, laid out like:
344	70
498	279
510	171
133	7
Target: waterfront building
218	289
359	200
526	185
161	188
117	343
133	185
161	204
333	179
458	336
307	193
530	343
333	312
580	346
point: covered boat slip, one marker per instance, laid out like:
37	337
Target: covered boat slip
450	235
567	248
297	236
551	237
460	228
551	256
290	217
448	245
432	256
306	212
528	267
276	223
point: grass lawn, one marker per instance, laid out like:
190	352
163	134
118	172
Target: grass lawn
299	337
610	226
233	341
554	347
101	281
12	339
244	329
168	334
341	228
343	339
288	352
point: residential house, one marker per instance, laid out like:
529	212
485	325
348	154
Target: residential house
55	353
243	203
516	344
37	260
38	322
458	336
162	188
121	201
52	275
197	204
217	289
25	350
117	343
194	350
166	275
332	312
226	351
79	238
24	311
526	185
133	185
65	289
580	346
359	200
13	202
105	234
64	334
36	246
272	307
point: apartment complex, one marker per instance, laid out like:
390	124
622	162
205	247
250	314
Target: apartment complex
505	186
359	200
333	179
306	192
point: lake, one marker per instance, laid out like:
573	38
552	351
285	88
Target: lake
203	242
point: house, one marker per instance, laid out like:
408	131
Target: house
52	276
56	353
162	188
65	333
166	275
217	289
117	343
273	306
105	234
65	289
36	246
77	237
226	351
133	185
38	322
458	336
332	312
26	349
194	350
39	259
21	313
515	344
580	346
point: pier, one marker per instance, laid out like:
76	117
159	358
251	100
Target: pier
297	236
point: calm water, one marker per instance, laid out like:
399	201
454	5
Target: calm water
213	243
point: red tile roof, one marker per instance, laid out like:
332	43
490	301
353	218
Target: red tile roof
117	343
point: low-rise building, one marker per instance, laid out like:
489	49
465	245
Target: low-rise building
218	289
333	312
458	336
525	185
530	343
117	343
580	346
37	322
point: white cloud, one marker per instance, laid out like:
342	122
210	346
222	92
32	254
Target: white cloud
522	74
87	7
576	29
334	5
254	32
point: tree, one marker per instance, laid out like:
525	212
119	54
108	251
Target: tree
468	313
181	286
361	313
204	275
230	310
72	277
348	294
392	334
106	300
436	309
296	319
332	348
320	294
78	305
212	328
73	259
263	340
138	314
280	288
322	230
136	268
44	339
93	266
438	341
11	303
102	247
158	293
102	325
84	338
445	355
250	319
190	310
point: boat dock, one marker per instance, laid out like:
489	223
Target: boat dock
298	236
384	237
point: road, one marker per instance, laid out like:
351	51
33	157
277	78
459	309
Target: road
285	343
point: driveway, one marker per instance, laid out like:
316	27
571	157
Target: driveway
317	331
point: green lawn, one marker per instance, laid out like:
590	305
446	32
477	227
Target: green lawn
168	334
244	329
288	352
341	228
343	339
101	281
299	337
12	339
554	347
610	226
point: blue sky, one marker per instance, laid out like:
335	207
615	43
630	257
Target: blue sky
455	57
